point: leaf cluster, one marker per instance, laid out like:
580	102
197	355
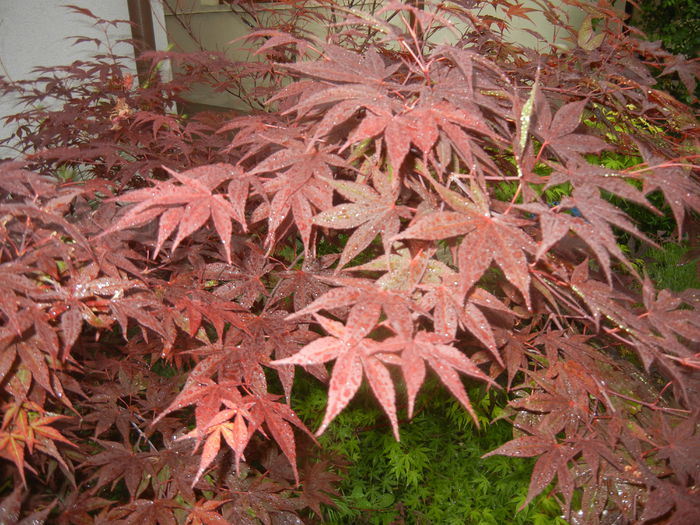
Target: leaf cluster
162	277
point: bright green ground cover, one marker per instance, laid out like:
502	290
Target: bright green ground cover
435	475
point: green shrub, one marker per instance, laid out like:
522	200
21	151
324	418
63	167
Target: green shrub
435	474
676	23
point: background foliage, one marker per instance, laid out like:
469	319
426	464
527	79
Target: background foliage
676	23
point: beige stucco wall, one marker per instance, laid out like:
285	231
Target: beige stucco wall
218	26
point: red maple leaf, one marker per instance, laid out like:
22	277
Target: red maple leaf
553	460
203	512
558	132
403	272
300	184
145	512
117	462
353	353
486	240
317	483
442	357
186	207
396	306
450	310
681	449
518	10
370	213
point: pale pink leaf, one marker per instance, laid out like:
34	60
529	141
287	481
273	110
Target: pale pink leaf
383	387
345	381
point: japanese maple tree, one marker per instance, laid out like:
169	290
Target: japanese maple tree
163	276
